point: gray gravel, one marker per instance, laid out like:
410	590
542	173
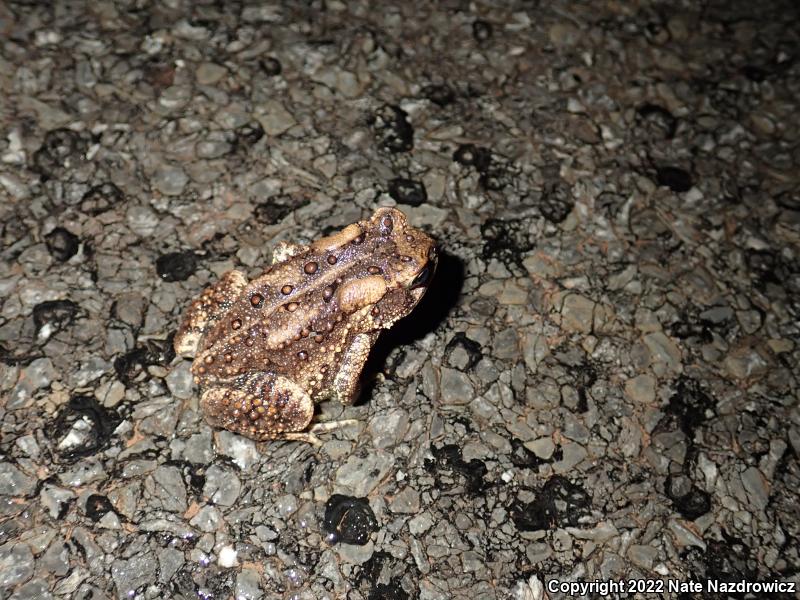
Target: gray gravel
601	382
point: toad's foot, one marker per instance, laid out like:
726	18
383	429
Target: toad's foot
310	436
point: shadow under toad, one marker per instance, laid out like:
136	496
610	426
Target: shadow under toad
429	315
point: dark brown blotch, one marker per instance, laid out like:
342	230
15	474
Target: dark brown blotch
286	289
256	300
374	270
327	293
387	224
332	260
236	324
302	355
310	268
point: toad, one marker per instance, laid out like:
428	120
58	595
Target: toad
266	350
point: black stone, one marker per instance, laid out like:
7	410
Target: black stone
193	474
134	362
694	504
494	174
689	404
556	203
763	264
471	347
61	149
62	244
657	120
481	30
97	506
439	94
676	179
223	245
59	314
449	457
585	376
373	572
560	503
197	479
392	130
271	66
507	240
176	266
495	178
690	501
349	519
523	458
249	134
729	559
470	155
101	198
695	331
183	585
407	191
97	423
275	208
387	592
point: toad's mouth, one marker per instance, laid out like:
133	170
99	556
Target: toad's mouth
423	277
425	274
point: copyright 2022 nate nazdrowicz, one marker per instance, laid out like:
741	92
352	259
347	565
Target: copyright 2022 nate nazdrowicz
660	587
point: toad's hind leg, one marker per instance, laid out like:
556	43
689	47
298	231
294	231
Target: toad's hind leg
206	309
262	406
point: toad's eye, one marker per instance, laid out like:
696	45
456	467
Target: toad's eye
423	277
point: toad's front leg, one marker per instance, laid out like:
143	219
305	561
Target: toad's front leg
345	386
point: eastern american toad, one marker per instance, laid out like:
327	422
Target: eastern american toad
265	350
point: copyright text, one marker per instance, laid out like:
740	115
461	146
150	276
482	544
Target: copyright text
606	587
